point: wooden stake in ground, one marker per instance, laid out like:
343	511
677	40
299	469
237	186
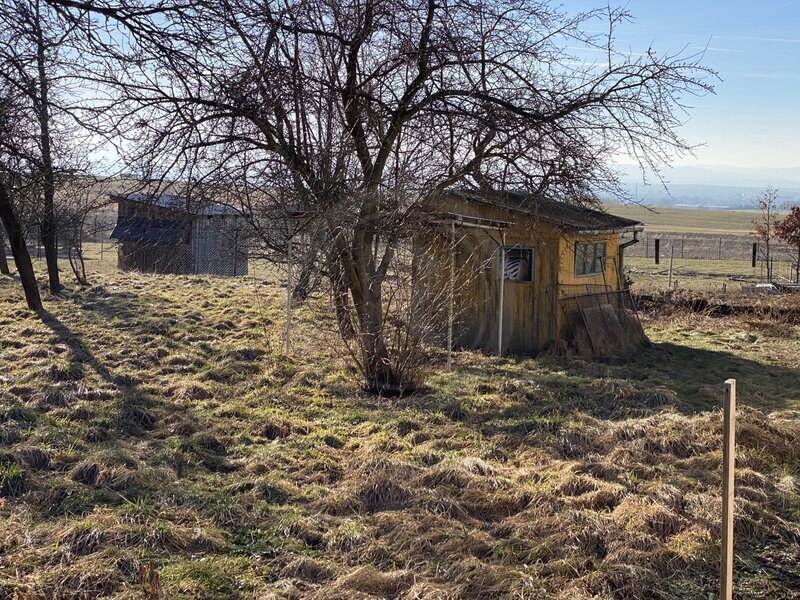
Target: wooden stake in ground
728	462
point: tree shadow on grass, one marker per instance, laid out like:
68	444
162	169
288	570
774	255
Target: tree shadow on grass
525	400
133	403
696	376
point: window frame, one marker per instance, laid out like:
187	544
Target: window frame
531	250
598	261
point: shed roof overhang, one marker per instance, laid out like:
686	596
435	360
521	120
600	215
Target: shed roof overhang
450	218
164	231
566	216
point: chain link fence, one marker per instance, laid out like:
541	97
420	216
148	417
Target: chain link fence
694	261
708	262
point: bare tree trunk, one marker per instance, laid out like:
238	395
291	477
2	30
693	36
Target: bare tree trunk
344	317
4	270
305	281
377	366
48	219
78	265
20	251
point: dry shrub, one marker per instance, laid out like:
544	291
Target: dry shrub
624	581
82	539
639	514
93	576
86	473
382	492
36	458
369	580
308	569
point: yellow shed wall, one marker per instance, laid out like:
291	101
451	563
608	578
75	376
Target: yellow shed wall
532	315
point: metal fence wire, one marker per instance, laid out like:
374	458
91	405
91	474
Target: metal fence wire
693	261
709	262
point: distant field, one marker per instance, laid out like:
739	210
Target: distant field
689	220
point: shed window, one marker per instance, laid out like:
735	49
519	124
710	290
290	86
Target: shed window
519	265
589	258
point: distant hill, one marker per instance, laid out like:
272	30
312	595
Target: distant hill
722	187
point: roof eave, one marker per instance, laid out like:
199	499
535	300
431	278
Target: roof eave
626	229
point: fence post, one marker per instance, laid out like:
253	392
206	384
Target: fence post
755	254
728	468
671	258
657	250
720	249
683	245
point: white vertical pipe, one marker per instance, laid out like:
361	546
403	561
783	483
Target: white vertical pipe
452	296
288	295
502	293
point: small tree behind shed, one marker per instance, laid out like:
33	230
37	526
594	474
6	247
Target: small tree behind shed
767	203
788	230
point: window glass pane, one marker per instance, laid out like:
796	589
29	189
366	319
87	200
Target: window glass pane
599	256
519	265
589	258
580	259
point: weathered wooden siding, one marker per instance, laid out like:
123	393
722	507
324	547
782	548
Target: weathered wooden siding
532	315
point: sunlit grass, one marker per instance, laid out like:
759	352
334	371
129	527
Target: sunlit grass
152	426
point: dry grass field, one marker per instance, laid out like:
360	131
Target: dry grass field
689	220
156	443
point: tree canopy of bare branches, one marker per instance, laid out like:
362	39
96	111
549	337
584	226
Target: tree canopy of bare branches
356	112
359	111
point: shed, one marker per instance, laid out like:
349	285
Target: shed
170	234
561	267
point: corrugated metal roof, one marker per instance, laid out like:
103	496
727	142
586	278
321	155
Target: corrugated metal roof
165	231
568	216
179	203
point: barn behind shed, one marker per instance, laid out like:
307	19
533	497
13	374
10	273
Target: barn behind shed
529	272
169	234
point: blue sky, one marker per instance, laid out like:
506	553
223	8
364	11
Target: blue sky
754	118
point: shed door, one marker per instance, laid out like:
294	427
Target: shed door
520	332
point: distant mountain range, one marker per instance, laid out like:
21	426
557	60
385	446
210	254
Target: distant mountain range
713	186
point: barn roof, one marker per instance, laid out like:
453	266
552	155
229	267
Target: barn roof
166	231
178	203
562	214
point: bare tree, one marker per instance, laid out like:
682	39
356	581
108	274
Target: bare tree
788	231
4	270
767	204
42	58
360	112
13	159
